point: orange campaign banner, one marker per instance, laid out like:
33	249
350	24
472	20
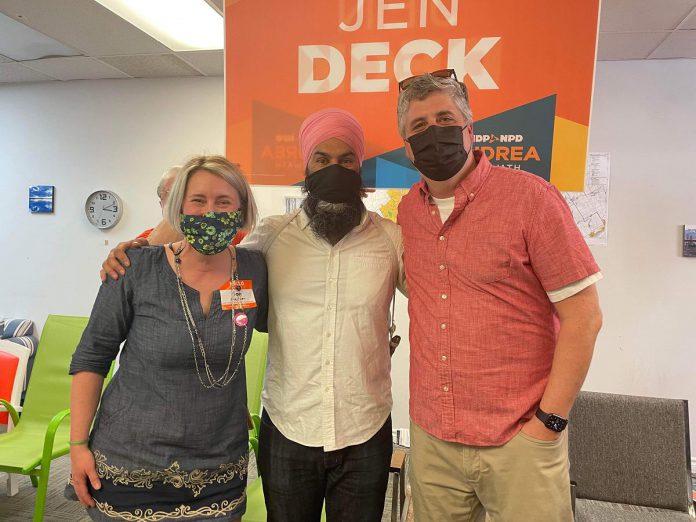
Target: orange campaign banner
528	66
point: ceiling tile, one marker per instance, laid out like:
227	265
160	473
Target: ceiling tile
218	5
84	25
75	68
151	66
20	42
679	44
210	63
627	46
15	72
643	15
690	22
5	59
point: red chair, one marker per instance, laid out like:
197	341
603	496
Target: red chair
8	374
11	379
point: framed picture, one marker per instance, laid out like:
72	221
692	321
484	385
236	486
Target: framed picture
41	198
689	241
293	203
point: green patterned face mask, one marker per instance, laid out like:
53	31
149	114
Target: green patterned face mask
213	232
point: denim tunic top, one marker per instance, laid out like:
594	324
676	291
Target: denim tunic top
155	415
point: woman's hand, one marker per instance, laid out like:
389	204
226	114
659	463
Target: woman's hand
84	469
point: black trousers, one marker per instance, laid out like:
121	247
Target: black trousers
298	479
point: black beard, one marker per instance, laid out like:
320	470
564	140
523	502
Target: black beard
332	221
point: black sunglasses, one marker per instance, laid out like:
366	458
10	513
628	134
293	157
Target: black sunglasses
442	73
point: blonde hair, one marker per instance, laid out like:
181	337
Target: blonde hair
218	166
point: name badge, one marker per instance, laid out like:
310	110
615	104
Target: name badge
237	294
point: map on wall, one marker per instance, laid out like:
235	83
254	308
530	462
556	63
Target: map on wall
590	208
385	202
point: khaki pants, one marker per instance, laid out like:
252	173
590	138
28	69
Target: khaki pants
526	480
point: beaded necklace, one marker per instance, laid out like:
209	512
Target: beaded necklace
196	339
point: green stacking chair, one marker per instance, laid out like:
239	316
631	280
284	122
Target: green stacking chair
255	362
40	435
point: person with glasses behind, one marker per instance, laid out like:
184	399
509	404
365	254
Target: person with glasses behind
503	313
163	189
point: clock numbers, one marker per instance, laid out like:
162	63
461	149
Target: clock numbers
103	209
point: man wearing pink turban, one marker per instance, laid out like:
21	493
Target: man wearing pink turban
332	267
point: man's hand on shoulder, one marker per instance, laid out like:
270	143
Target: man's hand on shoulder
117	261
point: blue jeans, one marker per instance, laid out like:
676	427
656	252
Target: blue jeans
298	479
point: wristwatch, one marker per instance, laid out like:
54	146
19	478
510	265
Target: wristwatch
552	421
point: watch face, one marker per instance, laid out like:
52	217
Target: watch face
103	209
556	423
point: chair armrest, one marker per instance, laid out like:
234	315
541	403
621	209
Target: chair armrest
254	445
12	410
256	420
51	433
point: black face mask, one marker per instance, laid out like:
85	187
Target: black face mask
335	184
439	151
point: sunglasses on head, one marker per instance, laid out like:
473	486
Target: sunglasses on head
442	73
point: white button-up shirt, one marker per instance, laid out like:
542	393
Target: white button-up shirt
328	376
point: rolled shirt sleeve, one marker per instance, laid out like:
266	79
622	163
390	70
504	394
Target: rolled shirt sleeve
108	324
558	253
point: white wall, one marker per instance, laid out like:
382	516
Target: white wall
120	134
644	114
82	136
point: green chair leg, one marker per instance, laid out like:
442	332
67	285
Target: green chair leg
34	481
40	504
46	458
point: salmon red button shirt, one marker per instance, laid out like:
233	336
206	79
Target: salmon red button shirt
483	330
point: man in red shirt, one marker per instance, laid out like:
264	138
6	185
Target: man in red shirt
503	313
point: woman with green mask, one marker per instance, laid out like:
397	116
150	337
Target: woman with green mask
170	439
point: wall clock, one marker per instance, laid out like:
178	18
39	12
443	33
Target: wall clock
103	208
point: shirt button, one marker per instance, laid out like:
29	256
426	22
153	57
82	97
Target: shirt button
432	212
328	334
442	267
471	196
443	326
442	238
328	361
444	357
444	296
445	388
327	389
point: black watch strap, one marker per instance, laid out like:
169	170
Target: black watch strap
552	421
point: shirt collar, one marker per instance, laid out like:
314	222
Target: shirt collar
472	182
303	219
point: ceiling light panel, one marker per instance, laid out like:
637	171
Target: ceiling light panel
181	25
